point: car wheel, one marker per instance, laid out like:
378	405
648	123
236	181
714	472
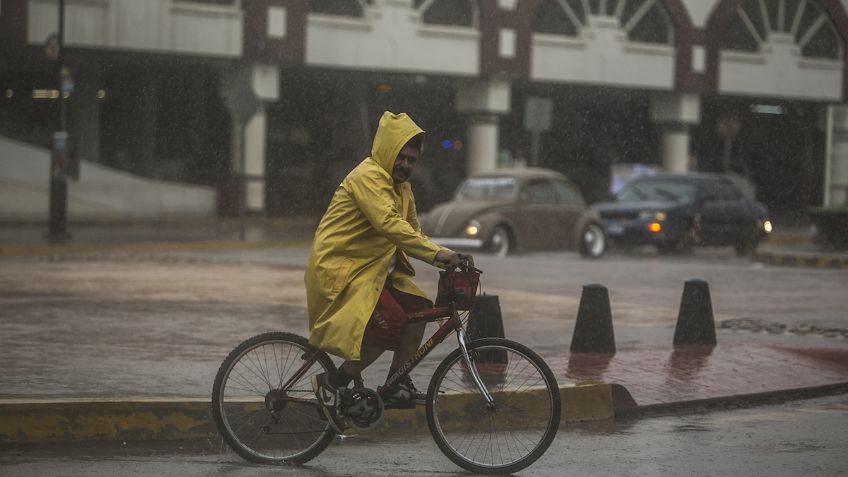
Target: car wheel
685	245
593	242
500	243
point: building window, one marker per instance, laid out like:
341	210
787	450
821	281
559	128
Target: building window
554	19
448	12
277	17
644	21
345	8
649	23
802	20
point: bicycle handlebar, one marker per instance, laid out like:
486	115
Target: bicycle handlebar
465	264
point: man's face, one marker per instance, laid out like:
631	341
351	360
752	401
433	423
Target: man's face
404	164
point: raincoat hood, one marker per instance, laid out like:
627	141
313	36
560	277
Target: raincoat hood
393	132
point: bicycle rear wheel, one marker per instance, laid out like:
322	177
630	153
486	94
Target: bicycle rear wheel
517	430
258	419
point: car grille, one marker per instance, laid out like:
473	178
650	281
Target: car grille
616	214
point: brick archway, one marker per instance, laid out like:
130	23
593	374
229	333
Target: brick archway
686	36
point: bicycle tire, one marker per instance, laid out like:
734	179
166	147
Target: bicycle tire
241	393
457	412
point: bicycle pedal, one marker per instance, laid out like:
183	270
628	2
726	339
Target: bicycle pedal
346	436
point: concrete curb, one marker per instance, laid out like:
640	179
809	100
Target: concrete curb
629	409
80	420
811	260
39	421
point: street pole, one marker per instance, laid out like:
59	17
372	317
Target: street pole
242	181
535	141
58	182
828	155
728	150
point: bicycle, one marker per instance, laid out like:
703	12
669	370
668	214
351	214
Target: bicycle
492	406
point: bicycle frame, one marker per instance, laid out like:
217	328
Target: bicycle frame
453	323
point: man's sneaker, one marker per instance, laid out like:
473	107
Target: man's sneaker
329	398
404	392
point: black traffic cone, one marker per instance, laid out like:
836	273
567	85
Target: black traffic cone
695	322
485	321
593	331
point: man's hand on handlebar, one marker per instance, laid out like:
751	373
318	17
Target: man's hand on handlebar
453	259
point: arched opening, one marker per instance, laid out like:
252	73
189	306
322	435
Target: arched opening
755	21
344	8
644	21
463	13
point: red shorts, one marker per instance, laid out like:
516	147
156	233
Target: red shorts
388	322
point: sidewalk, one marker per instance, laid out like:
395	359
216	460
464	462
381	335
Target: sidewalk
593	387
642	376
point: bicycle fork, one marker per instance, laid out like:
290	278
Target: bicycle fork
460	337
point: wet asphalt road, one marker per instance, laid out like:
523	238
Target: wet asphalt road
801	438
160	323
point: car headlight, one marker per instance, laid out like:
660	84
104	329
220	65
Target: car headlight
473	228
767	226
657	215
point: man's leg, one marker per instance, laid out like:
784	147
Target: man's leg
367	355
327	386
409	344
410	341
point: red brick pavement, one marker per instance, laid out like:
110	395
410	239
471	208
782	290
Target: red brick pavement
661	376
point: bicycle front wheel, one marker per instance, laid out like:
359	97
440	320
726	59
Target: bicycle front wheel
504	437
261	418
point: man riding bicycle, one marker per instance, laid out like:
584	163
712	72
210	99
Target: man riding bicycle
358	278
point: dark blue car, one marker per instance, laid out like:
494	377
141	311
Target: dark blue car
676	212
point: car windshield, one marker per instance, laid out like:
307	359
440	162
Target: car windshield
665	190
486	188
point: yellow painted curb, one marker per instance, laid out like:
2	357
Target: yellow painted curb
102	420
74	420
839	262
587	402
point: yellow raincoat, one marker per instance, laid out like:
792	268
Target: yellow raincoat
369	220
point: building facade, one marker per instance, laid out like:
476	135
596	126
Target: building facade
283	95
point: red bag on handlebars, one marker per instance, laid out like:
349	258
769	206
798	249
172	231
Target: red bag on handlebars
459	287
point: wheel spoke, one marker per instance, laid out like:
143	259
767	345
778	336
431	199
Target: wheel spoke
247	389
517	431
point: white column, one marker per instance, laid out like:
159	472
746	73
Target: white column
484	100
482	143
254	160
675	112
675	148
836	166
246	89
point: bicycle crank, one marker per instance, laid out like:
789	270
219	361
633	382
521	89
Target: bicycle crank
364	408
